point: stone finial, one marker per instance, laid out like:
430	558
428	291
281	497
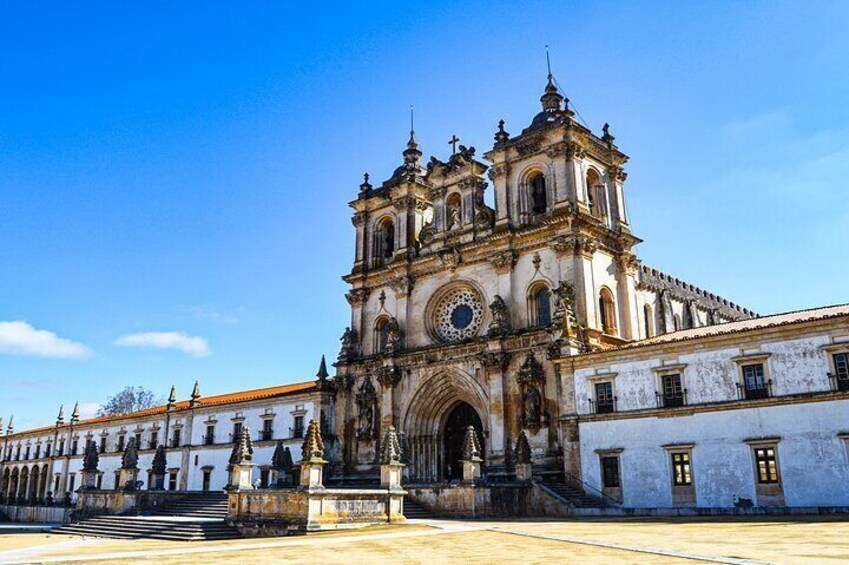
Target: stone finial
322	373
130	458
390	453
404	442
60	418
501	136
278	459
11	427
195	398
523	449
90	458
172	396
160	462
366	186
1	425
288	464
607	137
75	415
243	448
313	446
471	445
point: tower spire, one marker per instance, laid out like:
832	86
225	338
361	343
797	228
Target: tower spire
552	100
412	154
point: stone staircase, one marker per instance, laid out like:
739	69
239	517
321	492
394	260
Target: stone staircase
195	517
414	510
574	495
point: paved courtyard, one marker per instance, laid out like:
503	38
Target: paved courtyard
642	542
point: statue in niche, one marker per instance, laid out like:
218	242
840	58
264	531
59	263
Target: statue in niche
394	336
365	401
500	317
532	404
454	220
564	309
426	234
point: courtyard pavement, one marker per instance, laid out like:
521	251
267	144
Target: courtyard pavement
640	542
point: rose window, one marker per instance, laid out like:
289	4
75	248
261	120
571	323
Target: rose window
458	315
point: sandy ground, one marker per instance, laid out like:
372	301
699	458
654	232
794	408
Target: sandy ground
639	542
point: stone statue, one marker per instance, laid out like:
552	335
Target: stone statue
454	220
394	336
532	406
500	324
365	401
564	309
350	342
426	234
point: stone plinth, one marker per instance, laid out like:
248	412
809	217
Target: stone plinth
471	471
241	476
127	479
312	473
261	513
390	476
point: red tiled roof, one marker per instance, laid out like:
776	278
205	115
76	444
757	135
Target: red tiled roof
763	322
203	402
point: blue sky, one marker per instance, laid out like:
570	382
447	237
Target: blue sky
182	170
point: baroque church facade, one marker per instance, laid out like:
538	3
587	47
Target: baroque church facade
459	311
533	319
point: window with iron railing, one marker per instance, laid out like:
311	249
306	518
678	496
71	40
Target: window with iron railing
267	432
604	402
672	394
840	378
298	430
755	385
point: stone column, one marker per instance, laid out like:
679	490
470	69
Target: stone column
499	174
495	362
585	293
626	267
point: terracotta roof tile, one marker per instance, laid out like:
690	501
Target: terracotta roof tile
775	320
204	401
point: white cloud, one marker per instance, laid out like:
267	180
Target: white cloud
88	409
193	345
20	338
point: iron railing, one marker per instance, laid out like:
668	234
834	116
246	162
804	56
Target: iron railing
745	392
671	400
839	383
605	406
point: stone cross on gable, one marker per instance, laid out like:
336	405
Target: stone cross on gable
453	143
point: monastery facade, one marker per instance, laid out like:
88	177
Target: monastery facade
531	318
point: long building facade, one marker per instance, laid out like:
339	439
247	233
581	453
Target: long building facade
534	316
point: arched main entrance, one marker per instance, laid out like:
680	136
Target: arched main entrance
436	418
458	420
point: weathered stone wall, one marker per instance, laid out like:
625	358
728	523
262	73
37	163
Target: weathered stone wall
38	514
260	513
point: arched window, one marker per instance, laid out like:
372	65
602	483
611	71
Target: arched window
453	212
539	197
381	333
595	194
384	240
607	311
648	319
539	306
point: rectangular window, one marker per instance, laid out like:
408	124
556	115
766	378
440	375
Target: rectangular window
175	438
71	480
299	427
138	440
754	382
237	431
154	440
263	478
681	469
56	486
38	452
267	432
604	398
841	371
103	444
207	474
767	465
18	454
47	450
117	480
74	446
673	392
62	447
26	456
610	471
209	438
120	447
172	480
